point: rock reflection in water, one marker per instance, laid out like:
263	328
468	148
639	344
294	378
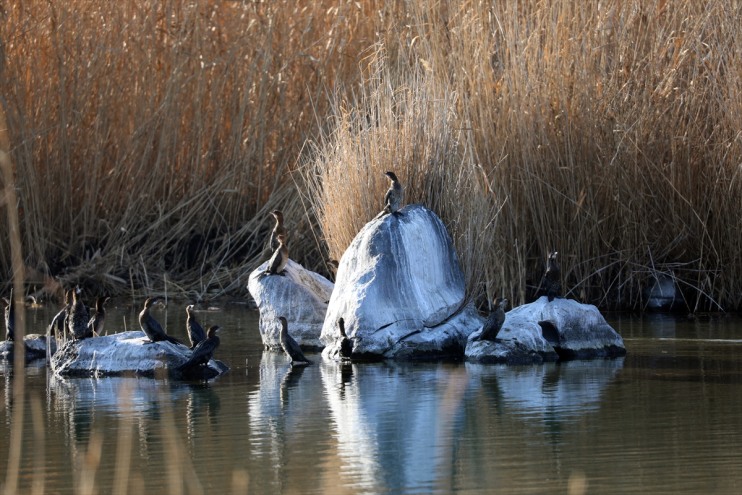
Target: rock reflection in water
283	413
79	400
564	391
396	425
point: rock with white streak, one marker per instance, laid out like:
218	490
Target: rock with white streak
127	353
34	346
299	295
542	331
400	291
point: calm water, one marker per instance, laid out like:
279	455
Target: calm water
665	419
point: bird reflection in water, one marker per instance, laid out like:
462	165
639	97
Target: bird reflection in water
202	407
289	381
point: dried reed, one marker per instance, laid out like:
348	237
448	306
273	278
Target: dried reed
608	131
151	138
155	137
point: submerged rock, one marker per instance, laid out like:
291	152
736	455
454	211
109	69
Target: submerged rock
127	353
299	295
662	294
548	331
400	291
34	344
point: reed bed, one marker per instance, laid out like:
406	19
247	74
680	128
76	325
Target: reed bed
151	139
608	131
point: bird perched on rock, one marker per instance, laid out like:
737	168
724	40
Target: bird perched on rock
551	284
290	347
204	351
278	229
78	317
152	327
98	320
9	317
394	196
279	259
196	332
346	345
494	321
58	326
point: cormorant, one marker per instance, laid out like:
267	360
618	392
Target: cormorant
78	317
494	321
59	322
279	259
204	351
98	320
346	345
290	347
278	229
551	285
151	327
196	332
394	195
9	317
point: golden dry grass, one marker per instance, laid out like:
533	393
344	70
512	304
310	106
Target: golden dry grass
151	138
608	131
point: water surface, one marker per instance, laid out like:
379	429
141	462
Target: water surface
667	418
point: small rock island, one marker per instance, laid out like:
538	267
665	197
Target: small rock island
400	294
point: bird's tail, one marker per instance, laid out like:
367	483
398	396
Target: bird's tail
173	340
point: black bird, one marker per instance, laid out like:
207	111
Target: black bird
346	345
59	323
290	347
280	258
195	331
78	317
151	327
278	229
204	351
551	285
494	321
98	320
9	317
395	194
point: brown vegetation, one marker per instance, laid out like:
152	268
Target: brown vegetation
608	131
151	139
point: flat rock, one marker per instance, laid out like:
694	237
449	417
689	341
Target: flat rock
542	331
127	353
299	295
400	291
35	346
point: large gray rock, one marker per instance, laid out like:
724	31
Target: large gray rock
127	353
401	291
34	346
548	331
299	295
